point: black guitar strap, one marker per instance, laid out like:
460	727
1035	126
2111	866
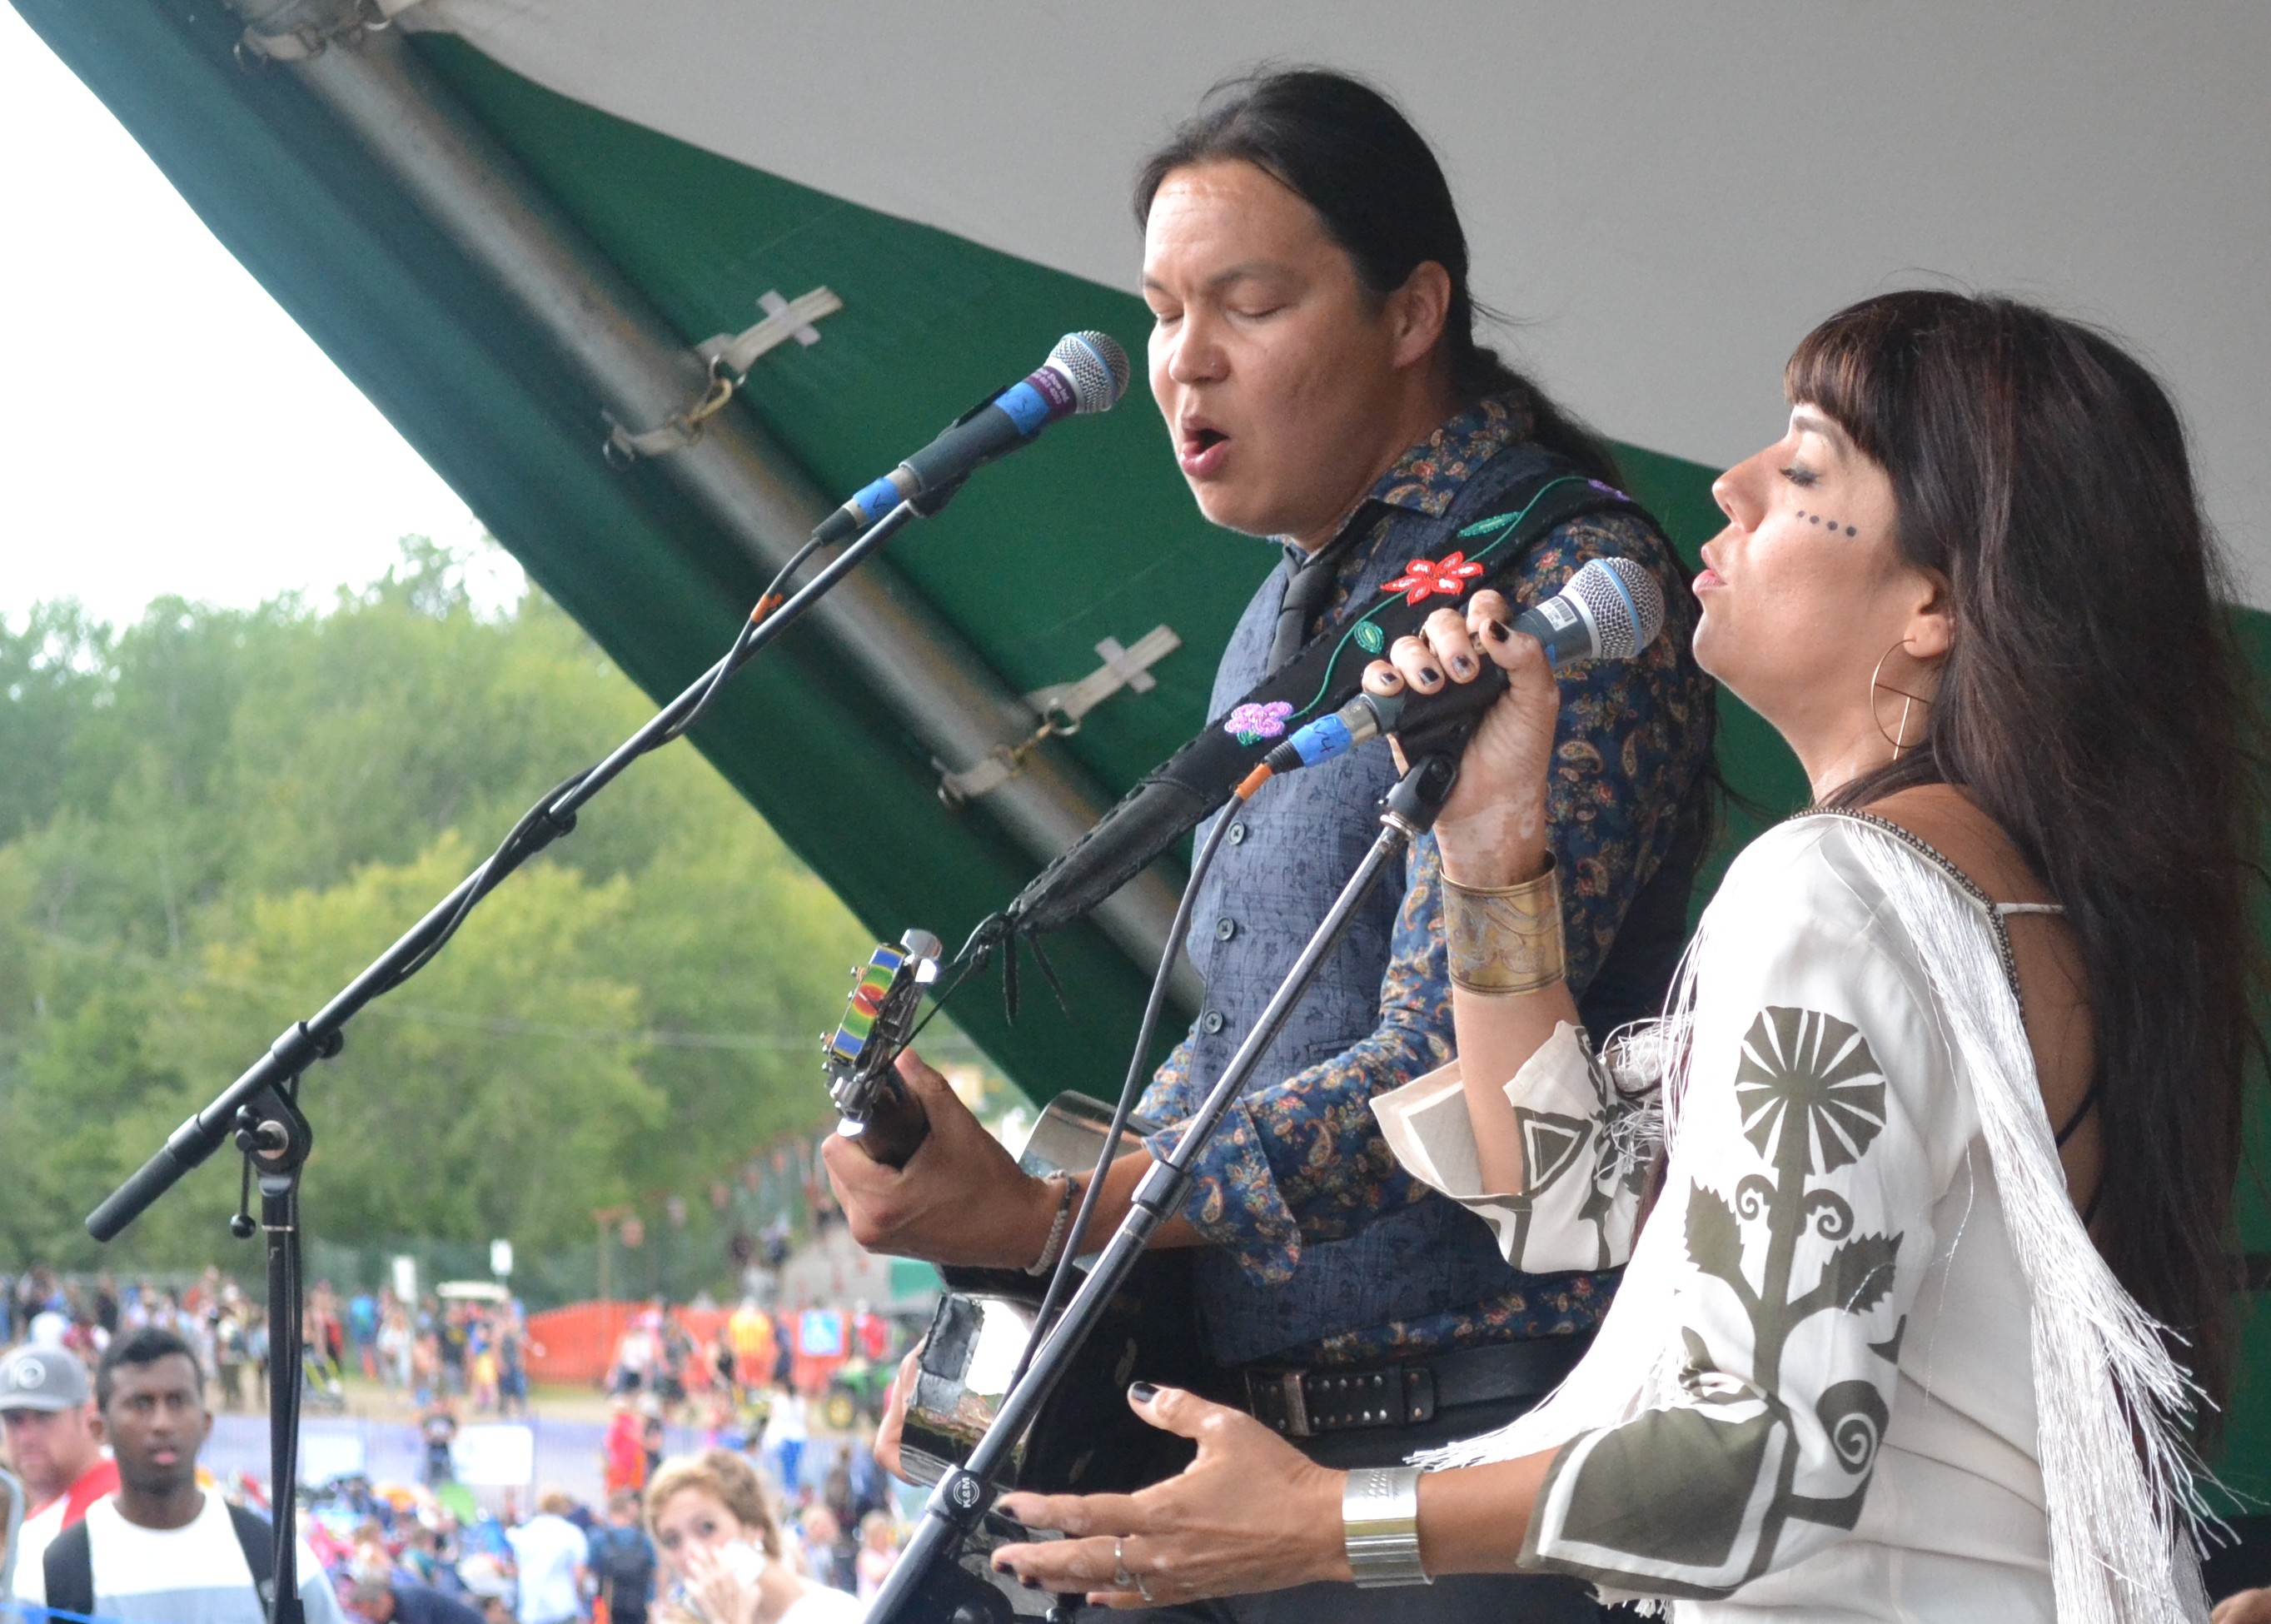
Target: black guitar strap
1172	800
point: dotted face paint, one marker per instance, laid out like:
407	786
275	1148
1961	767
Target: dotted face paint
1816	518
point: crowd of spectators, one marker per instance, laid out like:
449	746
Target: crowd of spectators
108	1399
226	1328
436	1350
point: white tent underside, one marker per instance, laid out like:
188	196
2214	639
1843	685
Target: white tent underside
1665	196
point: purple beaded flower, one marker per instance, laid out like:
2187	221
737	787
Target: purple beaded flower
1253	723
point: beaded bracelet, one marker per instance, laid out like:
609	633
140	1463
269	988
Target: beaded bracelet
1047	1259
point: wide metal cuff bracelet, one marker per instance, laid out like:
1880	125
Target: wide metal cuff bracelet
1380	1511
1505	940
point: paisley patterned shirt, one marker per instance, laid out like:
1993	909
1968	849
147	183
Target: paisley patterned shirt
1301	1161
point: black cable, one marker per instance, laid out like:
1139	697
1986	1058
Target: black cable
515	848
956	974
1061	1279
767	600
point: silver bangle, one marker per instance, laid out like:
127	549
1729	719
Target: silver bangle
1380	1511
1047	1259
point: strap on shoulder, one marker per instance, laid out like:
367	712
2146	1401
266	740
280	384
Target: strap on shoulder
1172	799
256	1538
68	1567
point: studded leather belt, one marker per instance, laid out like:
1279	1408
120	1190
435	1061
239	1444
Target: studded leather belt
1303	1402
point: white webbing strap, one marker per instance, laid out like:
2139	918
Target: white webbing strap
1061	705
1123	668
784	319
730	357
297	32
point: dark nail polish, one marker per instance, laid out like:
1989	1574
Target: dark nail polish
1430	675
1030	1584
1500	631
1141	1392
1462	667
1004	1511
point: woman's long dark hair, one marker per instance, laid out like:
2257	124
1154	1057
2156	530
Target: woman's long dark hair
1349	153
2094	705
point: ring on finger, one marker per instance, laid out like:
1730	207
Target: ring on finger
1122	1579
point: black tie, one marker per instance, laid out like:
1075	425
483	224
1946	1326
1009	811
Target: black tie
1312	583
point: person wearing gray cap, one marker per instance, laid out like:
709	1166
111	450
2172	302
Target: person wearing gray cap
55	1436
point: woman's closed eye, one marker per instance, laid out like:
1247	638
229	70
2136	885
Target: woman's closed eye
1799	473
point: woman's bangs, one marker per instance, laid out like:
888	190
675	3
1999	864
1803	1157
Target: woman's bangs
1845	368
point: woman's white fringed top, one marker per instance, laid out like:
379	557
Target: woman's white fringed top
1865	1363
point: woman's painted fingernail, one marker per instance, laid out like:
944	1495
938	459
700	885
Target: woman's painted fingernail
1462	667
1030	1584
1012	1516
1141	1392
1429	676
1499	630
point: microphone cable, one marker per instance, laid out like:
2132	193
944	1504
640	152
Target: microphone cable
520	846
1061	1278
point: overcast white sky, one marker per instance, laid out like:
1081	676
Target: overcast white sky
164	427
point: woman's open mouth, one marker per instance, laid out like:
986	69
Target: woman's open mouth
1201	452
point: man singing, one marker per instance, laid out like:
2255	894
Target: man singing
1313	356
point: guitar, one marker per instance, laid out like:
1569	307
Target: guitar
1085	1438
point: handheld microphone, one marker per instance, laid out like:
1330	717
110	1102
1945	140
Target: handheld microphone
1610	609
1086	373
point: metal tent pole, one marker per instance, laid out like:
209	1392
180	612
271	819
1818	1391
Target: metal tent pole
643	374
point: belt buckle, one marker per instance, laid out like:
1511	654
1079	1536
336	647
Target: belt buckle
1297	1407
1276	1399
1418	1395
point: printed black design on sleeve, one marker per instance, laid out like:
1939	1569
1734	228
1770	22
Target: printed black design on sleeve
1690	1500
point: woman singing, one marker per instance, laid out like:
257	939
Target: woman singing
1933	1279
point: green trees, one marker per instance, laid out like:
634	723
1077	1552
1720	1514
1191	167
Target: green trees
210	820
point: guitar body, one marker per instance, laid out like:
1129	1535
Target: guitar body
1085	1440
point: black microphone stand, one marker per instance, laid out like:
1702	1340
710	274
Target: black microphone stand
260	1110
275	1139
928	1584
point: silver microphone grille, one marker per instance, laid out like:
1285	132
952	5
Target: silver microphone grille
1097	367
1625	602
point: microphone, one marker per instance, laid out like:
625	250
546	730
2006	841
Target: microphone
1085	374
1610	609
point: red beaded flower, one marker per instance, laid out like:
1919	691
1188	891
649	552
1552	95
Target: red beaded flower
1423	578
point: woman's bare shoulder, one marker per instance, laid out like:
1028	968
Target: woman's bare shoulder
1949	821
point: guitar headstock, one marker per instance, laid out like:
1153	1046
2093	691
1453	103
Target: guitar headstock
878	1019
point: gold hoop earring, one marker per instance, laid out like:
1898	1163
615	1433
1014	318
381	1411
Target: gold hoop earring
1898	737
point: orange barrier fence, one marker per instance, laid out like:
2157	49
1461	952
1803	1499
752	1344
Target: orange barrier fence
576	1345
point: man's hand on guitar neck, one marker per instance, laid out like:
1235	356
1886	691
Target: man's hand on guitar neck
962	1199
